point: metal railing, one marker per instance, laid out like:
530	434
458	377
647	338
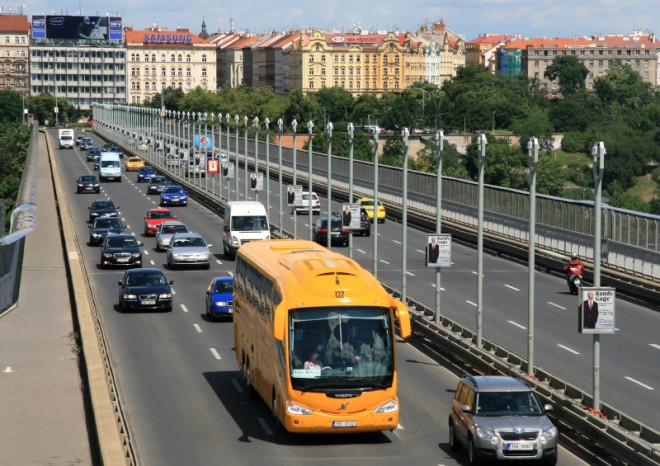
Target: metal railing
23	221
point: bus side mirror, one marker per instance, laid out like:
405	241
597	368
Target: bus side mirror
279	325
403	315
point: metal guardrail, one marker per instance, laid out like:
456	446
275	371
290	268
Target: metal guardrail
625	439
23	221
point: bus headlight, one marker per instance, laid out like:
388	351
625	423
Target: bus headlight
389	407
298	410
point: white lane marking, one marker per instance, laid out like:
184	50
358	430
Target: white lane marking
152	262
146	252
360	251
216	355
410	273
173	292
185	309
128	226
420	251
556	305
8	370
568	349
441	288
517	324
654	345
218	261
237	385
230	273
385	262
198	328
400	427
639	383
471	303
397	242
512	287
264	426
475	272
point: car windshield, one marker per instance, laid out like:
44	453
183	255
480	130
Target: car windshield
188	242
160	215
134	159
158	179
174	229
223	287
103	205
107	223
109	163
146	279
347	347
174	189
507	404
249	223
91	178
121	242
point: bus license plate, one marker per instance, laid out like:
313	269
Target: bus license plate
519	446
149	302
344	423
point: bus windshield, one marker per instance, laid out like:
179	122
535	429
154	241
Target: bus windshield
340	348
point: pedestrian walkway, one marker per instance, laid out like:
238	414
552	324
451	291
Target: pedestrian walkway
42	416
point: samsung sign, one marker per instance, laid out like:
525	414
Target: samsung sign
168	38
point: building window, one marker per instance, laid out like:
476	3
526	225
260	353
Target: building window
336	59
188	72
188	58
180	71
322	58
311	72
322	71
204	58
203	71
311	85
172	58
162	57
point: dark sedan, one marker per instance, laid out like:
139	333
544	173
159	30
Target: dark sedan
145	173
145	289
93	154
157	184
102	207
87	184
121	250
103	226
338	234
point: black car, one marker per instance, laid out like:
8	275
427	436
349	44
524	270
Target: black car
103	226
145	289
146	173
338	234
102	207
93	154
157	184
365	224
122	250
87	184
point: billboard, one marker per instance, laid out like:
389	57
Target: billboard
77	27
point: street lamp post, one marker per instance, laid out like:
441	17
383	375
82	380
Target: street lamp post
280	125
375	221
310	127
227	121
255	122
245	167
237	159
350	129
329	175
404	217
267	127
294	125
532	161
481	141
439	153
598	152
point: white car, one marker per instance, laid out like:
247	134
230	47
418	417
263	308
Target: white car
303	206
166	230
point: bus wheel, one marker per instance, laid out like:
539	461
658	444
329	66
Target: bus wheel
248	383
278	425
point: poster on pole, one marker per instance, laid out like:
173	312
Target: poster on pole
228	170
256	181
350	216
438	250
294	195
212	166
596	310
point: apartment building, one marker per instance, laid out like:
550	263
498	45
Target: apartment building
444	54
484	50
15	53
158	58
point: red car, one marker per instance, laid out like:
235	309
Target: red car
154	218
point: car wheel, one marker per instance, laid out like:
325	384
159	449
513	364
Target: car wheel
551	460
473	454
453	441
368	233
78	191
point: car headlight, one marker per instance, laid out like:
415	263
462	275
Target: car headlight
389	407
129	296
135	255
486	434
295	409
80	185
548	434
164	295
234	241
221	303
107	255
96	235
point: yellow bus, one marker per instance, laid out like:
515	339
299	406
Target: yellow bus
314	337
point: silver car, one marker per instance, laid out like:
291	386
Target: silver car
501	418
165	231
188	249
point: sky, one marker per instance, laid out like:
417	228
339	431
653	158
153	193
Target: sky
470	18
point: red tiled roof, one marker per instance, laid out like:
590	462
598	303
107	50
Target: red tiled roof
557	43
491	39
14	23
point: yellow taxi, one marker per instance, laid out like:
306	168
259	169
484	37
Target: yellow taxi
368	204
133	164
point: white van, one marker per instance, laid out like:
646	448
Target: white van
245	221
65	137
109	167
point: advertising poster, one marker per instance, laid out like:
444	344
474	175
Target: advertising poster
212	166
228	170
78	27
203	142
257	181
596	310
350	216
294	195
438	250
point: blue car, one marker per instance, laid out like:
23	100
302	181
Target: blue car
173	195
220	298
145	173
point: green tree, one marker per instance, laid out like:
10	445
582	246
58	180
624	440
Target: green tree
575	112
363	149
301	108
11	103
336	104
452	161
505	165
535	124
623	85
570	73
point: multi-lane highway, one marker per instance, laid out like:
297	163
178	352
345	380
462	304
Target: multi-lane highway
182	391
